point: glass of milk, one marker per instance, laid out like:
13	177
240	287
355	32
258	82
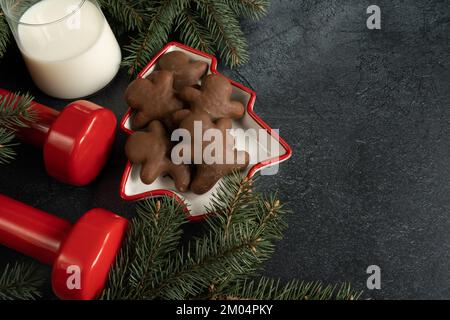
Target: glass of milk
68	45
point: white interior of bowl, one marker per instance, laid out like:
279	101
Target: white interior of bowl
197	204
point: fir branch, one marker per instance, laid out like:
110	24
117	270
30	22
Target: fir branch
206	261
19	282
15	111
4	34
150	267
161	17
219	264
233	195
6	152
230	250
270	289
155	233
251	9
127	12
224	27
202	24
192	32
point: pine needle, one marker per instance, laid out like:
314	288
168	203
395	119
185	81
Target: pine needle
192	32
211	26
224	27
4	34
233	196
271	289
20	282
161	17
6	152
251	9
220	264
15	111
154	234
127	12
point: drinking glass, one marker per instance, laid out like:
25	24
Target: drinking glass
67	45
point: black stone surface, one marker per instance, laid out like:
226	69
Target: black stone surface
368	115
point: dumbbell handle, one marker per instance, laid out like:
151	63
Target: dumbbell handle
36	133
31	231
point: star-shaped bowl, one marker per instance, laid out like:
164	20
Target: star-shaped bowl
259	138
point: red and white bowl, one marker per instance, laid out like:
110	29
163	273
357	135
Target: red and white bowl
132	188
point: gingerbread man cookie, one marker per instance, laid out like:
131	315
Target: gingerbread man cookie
214	98
207	175
186	73
153	99
224	157
152	150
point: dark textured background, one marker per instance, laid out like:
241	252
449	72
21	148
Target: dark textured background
368	115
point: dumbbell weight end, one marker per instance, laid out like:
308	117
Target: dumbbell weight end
90	245
76	141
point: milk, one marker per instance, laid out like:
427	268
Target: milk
71	57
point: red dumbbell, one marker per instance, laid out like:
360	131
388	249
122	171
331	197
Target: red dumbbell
90	245
75	142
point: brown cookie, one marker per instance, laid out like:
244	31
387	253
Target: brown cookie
186	72
207	175
153	99
152	149
214	98
187	120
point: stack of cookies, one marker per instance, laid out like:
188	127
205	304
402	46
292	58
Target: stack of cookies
179	95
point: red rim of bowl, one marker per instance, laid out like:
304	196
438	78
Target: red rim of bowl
250	106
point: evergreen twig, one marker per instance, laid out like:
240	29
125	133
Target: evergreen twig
192	32
127	12
14	113
271	289
4	34
20	282
6	152
242	229
228	249
154	233
224	28
160	16
208	25
251	9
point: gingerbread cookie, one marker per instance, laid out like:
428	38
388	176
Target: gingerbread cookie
214	97
153	99
152	150
188	119
207	175
186	72
228	159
